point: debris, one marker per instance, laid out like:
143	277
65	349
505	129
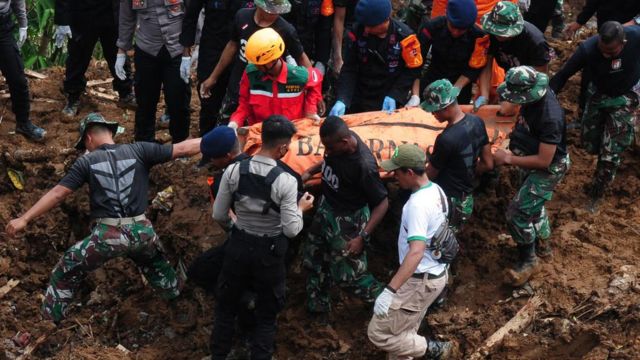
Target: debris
123	349
103	96
33	346
93	83
8	287
516	324
623	281
21	339
163	200
34	74
17	178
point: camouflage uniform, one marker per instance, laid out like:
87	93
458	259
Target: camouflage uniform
326	262
461	210
137	241
527	218
607	130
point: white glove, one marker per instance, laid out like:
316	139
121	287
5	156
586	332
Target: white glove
414	101
120	73
383	301
185	68
62	32
320	67
22	36
290	60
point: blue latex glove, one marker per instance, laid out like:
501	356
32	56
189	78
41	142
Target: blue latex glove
338	109
480	101
389	104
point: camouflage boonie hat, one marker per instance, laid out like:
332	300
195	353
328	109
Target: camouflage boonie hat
504	20
94	118
438	95
407	156
522	85
274	6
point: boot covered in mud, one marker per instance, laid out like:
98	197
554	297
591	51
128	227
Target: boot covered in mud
438	350
596	194
526	267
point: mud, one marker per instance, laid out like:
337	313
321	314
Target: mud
590	287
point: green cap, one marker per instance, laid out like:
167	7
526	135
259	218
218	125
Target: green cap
94	118
438	95
405	155
504	20
274	6
522	85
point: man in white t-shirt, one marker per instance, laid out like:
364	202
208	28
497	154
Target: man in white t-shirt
400	308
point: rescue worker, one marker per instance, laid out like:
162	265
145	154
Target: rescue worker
622	11
383	59
460	152
267	13
84	23
403	303
452	41
270	85
264	199
354	201
540	13
612	97
157	59
218	16
538	147
118	178
12	67
513	42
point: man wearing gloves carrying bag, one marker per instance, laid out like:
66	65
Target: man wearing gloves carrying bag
401	306
84	22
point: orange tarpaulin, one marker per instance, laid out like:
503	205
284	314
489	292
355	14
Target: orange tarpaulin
380	131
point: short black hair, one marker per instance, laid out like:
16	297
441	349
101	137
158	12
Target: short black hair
276	130
334	126
611	31
418	171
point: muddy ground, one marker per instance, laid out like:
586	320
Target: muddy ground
590	291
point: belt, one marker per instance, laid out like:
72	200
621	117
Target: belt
429	276
121	221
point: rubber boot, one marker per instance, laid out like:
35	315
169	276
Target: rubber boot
526	267
543	248
31	131
438	350
595	194
73	103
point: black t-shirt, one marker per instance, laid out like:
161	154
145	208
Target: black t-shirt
528	48
455	155
613	76
349	182
609	10
118	177
544	120
351	11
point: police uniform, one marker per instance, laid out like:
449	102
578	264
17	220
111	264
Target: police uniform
314	29
157	25
375	68
90	21
264	198
218	17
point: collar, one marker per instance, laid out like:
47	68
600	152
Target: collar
424	187
264	160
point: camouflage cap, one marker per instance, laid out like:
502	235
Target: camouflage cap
438	95
522	85
94	118
274	6
407	156
504	20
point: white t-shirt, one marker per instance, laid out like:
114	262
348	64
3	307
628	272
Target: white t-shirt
421	217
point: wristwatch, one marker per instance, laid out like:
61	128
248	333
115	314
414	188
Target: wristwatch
364	235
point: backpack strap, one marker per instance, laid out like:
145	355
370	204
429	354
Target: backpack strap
271	177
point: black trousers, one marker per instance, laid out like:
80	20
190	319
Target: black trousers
256	263
155	73
210	107
540	13
12	69
80	49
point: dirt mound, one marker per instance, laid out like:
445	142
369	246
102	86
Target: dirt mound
589	288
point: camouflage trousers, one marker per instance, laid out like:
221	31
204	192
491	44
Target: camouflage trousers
327	264
607	130
137	241
461	210
527	218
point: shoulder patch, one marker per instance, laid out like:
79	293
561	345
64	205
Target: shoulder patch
411	52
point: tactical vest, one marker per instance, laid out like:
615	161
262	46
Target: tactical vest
253	187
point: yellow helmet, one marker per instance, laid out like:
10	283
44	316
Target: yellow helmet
264	46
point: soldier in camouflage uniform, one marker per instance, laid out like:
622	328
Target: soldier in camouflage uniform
538	147
354	202
610	113
118	178
460	152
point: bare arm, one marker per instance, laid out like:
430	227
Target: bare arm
377	215
485	78
314	169
462	82
303	60
486	160
409	265
541	160
186	148
52	198
432	172
338	32
229	52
